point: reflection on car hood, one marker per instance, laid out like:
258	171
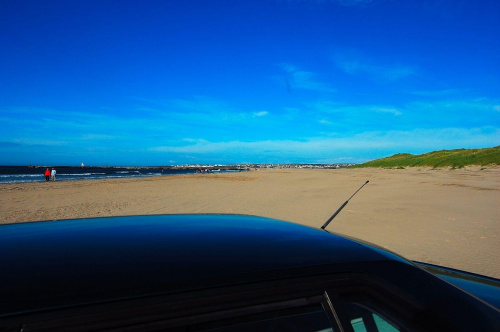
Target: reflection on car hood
485	288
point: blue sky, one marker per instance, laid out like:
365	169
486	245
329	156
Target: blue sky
257	81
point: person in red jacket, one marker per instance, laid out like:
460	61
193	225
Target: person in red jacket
47	175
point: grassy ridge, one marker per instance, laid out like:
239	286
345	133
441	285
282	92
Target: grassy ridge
444	158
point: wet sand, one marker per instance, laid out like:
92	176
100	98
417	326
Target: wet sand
440	216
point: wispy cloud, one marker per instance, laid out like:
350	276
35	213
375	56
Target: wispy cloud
371	144
202	114
305	80
325	122
437	93
357	65
392	111
262	113
35	127
39	142
360	113
335	117
321	130
473	108
97	137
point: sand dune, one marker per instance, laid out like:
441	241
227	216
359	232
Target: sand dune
446	217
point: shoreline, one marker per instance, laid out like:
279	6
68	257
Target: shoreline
440	216
16	174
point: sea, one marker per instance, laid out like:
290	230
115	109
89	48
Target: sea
20	174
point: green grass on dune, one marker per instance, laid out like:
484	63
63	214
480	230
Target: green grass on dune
445	158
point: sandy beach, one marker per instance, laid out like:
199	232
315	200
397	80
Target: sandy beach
440	216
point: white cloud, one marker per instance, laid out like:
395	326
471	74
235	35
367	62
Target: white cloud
459	105
418	140
328	107
436	93
98	137
39	142
387	73
262	113
300	79
378	144
387	110
354	64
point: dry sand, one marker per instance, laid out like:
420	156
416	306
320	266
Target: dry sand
441	216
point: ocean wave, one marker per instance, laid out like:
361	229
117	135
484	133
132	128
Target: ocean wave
22	181
20	175
81	174
107	177
25	176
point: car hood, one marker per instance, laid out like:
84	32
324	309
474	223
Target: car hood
59	263
485	288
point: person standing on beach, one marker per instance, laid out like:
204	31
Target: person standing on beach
53	174
47	175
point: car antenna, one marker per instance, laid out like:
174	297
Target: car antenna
340	208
